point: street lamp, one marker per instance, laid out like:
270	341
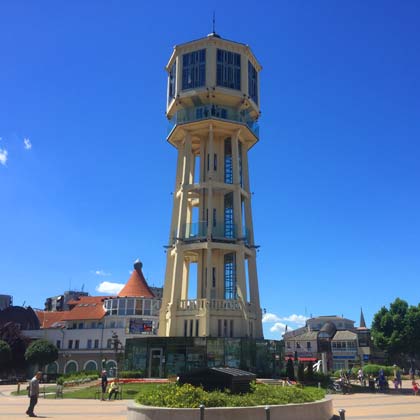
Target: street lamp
118	349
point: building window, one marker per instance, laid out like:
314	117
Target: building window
252	82
194	69
80	326
76	344
225	328
228	162
70	346
297	345
89	344
191	327
228	69
58	344
219	327
308	345
231	328
288	345
96	344
109	343
172	82
213	281
230	276
197	327
214	217
185	327
215	162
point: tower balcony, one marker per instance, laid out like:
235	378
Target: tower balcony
222	232
211	111
199	305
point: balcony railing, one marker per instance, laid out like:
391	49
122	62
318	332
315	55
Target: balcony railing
220	231
212	304
204	112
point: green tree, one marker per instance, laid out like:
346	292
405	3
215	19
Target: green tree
397	330
12	335
5	354
41	353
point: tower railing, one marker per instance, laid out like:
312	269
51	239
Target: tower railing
196	305
221	231
204	112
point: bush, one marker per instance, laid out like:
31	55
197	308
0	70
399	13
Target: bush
188	396
374	370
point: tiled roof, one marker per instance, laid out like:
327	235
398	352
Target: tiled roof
86	307
136	285
49	319
344	335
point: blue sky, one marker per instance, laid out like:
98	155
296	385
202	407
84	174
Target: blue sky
86	174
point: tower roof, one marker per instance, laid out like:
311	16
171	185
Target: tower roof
362	323
136	285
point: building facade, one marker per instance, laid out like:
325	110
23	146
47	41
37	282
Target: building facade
94	330
333	339
211	284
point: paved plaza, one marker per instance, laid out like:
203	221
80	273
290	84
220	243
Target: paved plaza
357	406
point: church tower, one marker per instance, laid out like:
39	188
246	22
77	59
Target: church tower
211	284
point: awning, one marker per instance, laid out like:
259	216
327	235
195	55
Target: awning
302	359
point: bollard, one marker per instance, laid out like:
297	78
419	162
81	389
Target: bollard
342	413
202	407
267	413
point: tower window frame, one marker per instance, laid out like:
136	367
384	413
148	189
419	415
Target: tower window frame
228	70
194	69
252	82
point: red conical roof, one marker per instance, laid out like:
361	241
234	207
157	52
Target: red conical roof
136	285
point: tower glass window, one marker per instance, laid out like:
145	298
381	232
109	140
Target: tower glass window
229	231
230	276
228	162
194	69
228	69
172	82
252	82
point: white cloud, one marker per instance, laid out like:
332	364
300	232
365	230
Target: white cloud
109	288
3	157
102	273
27	144
279	327
270	318
296	319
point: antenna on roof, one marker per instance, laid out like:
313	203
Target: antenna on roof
214	22
83	287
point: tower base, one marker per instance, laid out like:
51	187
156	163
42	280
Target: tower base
160	357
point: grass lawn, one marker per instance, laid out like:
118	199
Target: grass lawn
129	391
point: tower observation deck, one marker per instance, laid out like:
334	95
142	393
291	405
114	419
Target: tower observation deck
211	284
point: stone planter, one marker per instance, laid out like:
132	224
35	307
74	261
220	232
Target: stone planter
318	410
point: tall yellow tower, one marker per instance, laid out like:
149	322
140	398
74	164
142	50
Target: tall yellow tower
211	284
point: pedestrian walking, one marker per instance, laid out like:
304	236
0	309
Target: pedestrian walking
104	384
33	392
